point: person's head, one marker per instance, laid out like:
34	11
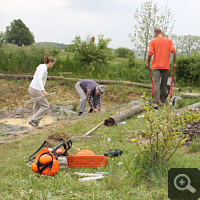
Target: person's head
49	61
157	32
100	90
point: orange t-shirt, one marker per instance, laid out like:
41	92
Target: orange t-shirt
160	48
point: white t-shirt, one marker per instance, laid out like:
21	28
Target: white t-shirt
40	77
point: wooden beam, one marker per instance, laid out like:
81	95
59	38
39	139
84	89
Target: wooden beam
11	76
39	98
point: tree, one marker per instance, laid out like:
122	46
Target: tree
147	20
19	34
87	51
123	52
186	44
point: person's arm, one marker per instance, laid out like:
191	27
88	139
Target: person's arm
148	61
174	60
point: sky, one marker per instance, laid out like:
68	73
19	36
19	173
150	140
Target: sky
61	20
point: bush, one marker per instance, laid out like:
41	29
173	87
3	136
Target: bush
163	135
188	69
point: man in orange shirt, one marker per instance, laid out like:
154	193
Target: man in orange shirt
159	48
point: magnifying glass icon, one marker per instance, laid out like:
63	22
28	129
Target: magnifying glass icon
186	184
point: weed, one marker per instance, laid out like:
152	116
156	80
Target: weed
195	145
75	106
2	134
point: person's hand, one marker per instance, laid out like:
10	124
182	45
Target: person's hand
148	65
98	111
174	65
93	109
45	93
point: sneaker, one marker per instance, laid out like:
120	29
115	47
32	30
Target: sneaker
161	103
80	113
32	123
155	106
90	111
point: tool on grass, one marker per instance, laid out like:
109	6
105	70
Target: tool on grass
45	159
39	98
86	159
113	152
170	83
91	176
86	135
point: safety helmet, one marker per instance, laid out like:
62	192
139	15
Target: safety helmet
45	163
85	152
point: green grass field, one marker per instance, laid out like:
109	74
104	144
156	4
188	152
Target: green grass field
126	182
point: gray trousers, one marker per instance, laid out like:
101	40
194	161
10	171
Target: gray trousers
40	107
160	77
82	95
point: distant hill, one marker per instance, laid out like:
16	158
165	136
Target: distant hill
49	45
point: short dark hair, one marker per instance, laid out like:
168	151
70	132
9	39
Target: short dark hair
157	30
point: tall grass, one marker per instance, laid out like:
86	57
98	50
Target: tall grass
24	60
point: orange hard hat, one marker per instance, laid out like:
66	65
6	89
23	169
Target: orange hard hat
44	159
85	152
45	163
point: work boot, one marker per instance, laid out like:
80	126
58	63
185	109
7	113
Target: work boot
155	106
161	103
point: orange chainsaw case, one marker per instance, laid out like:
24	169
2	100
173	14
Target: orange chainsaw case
86	161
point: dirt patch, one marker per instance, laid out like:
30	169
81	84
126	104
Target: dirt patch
14	123
192	130
57	138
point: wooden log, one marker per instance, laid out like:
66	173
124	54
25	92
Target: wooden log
10	76
112	120
39	98
190	95
193	107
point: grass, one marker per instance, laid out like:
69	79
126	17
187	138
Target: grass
19	182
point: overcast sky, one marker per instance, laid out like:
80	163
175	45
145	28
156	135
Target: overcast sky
61	20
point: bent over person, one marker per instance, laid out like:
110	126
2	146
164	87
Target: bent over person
93	91
159	48
36	89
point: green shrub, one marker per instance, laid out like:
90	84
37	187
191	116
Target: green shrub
188	69
163	135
